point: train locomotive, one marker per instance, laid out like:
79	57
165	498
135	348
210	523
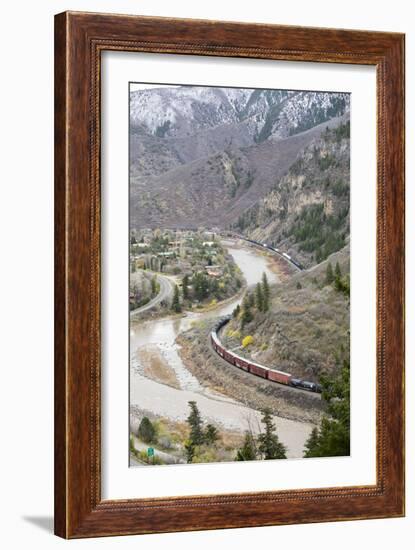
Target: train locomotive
262	371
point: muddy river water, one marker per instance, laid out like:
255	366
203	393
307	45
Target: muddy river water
167	401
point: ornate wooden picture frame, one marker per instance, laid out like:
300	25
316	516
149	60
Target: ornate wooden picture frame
80	38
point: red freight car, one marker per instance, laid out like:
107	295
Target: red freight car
254	368
279	376
258	370
241	363
229	356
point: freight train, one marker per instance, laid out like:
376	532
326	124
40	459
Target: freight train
274	249
254	368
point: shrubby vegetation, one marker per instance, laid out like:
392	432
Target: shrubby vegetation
175	305
290	216
247	341
339	282
207	272
146	431
338	106
341	132
266	446
332	438
142	292
319	233
142	456
254	302
200	287
201	438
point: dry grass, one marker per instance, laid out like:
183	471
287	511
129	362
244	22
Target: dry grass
306	325
156	367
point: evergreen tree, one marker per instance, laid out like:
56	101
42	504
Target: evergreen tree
195	422
312	443
246	317
236	312
333	437
248	450
343	285
154	285
269	444
198	436
201	286
246	301
329	274
175	305
146	431
337	271
265	292
211	434
251	299
190	451
259	298
185	287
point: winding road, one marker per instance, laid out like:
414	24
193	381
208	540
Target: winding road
165	293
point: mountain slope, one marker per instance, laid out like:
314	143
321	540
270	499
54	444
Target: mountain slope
307	210
306	327
204	155
187	110
215	190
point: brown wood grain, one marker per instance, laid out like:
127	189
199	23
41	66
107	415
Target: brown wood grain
79	40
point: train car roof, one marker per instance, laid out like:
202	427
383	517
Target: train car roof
215	337
281	372
249	361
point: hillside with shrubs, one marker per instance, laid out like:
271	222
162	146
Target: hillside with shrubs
307	211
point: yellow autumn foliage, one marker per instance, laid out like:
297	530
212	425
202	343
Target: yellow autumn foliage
247	341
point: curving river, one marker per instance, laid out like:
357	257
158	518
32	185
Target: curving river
163	400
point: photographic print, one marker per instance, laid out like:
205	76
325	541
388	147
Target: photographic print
239	284
226	262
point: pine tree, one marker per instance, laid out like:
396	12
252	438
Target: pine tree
246	317
248	450
269	444
154	285
265	292
329	274
190	451
311	444
146	431
246	301
195	422
236	312
211	434
333	437
251	299
259	298
201	286
337	271
185	287
175	305
343	285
